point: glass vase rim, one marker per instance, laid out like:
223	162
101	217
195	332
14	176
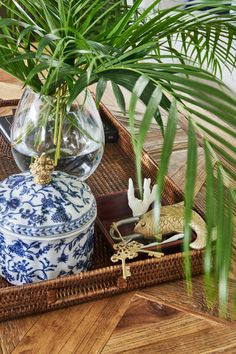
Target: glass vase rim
38	94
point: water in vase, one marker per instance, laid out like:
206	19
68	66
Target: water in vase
81	138
81	166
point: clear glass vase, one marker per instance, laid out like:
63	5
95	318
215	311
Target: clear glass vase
36	126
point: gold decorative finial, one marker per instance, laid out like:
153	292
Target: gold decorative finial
41	169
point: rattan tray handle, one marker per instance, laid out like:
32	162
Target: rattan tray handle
7	103
55	297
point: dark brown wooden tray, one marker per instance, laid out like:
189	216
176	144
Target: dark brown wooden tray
104	279
114	207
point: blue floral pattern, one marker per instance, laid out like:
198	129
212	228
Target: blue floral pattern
61	206
24	261
45	231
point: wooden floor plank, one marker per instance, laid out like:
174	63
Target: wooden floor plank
151	327
80	329
175	293
12	332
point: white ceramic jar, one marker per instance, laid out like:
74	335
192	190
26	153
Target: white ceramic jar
46	231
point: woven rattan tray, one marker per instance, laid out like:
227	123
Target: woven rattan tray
103	279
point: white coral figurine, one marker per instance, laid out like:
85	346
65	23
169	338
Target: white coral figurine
140	206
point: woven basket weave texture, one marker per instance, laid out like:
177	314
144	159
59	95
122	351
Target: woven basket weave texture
104	279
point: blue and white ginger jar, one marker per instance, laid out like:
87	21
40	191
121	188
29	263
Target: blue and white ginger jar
46	231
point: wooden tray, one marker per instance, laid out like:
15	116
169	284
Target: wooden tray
104	279
114	207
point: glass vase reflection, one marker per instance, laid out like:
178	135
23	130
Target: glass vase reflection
82	138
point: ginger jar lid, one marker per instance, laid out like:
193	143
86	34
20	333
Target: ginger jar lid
64	205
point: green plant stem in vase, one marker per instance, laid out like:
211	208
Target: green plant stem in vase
74	139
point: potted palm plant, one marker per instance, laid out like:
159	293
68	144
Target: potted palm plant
58	48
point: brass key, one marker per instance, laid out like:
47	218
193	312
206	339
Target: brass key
125	250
